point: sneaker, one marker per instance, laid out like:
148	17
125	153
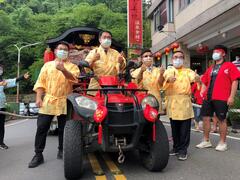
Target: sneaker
36	161
3	146
204	144
173	152
221	147
182	157
60	154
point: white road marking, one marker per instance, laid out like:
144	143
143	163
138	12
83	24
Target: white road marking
215	134
19	122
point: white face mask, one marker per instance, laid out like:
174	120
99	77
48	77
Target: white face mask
62	54
106	43
177	63
1	71
216	56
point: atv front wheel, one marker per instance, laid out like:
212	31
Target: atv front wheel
73	150
155	154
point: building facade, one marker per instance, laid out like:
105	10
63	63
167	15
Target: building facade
197	25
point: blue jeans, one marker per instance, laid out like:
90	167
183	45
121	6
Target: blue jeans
197	114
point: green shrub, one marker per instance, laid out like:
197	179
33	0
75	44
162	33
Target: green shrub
235	116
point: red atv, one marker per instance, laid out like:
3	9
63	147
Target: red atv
119	118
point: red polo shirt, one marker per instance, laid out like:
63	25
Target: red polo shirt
222	86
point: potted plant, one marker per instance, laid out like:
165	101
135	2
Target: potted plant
235	116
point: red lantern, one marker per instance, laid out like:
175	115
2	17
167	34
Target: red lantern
158	55
167	50
150	115
99	116
202	49
48	55
174	46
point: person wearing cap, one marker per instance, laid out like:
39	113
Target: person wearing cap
55	82
147	76
218	90
177	86
5	84
104	60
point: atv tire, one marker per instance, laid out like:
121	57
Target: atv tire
155	157
73	150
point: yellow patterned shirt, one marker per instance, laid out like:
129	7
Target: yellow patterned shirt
56	87
149	82
178	94
106	65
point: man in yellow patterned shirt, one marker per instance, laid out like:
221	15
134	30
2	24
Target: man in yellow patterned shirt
147	76
177	86
55	82
104	60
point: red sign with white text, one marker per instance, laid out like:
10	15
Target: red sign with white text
135	23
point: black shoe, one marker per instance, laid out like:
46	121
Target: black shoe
36	161
60	154
182	157
3	146
173	152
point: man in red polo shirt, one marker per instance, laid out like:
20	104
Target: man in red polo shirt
219	87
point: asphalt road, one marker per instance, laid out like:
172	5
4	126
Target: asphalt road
206	164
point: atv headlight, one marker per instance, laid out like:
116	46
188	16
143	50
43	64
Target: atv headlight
151	100
86	103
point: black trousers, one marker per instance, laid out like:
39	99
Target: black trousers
2	126
43	125
181	135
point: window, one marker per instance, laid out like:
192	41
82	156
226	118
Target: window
156	20
160	15
163	13
184	3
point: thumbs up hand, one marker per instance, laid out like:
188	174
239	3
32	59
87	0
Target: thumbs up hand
162	70
120	58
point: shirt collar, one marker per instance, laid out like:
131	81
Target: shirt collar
103	50
149	69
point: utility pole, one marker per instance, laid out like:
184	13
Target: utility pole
19	48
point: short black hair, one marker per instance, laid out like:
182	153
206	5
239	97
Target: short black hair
64	43
221	47
101	32
145	50
179	52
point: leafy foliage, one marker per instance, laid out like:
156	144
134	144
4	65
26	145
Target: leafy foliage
30	21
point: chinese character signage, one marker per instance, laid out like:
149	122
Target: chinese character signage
135	23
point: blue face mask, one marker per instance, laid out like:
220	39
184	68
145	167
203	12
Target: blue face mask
216	56
61	54
106	43
177	63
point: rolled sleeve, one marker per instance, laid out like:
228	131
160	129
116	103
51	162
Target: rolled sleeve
41	81
89	57
234	73
75	72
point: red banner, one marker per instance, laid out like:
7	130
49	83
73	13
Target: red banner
135	23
